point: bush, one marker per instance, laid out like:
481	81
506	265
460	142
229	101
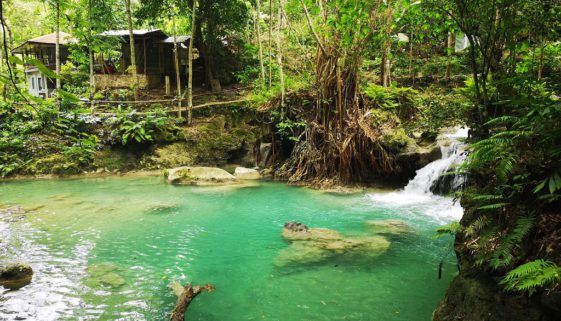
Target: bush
132	127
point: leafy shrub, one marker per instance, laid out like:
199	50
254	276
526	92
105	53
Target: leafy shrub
153	126
83	149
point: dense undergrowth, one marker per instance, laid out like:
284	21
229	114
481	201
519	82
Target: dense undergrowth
515	195
45	142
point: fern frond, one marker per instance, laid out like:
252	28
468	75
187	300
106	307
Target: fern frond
531	276
493	206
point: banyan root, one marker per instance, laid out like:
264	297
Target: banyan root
184	297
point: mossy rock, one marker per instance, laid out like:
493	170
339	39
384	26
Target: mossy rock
115	160
54	164
174	155
312	245
15	275
199	176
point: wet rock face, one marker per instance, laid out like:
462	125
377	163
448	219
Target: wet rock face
480	298
16	275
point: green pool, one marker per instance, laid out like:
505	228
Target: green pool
107	249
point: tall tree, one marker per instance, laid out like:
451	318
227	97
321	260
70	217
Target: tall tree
132	49
176	63
270	43
279	54
190	72
57	47
259	44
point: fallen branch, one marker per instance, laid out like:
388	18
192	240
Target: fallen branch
184	297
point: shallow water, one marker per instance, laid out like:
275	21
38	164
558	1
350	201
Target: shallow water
143	234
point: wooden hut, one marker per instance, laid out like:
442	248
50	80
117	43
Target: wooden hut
43	50
154	59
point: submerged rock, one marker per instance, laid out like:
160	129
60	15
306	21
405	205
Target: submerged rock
15	275
391	227
104	274
246	173
301	252
311	245
162	208
199	176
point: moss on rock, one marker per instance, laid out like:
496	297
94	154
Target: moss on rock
53	164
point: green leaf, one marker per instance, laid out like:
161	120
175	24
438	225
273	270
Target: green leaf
42	68
15	60
69	97
540	186
552	186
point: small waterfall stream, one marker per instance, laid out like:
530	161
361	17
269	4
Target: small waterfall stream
432	178
421	192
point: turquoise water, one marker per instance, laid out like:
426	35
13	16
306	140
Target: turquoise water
141	235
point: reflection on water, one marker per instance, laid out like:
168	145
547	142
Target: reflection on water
107	249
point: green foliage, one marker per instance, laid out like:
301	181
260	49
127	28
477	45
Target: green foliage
527	134
75	79
289	129
449	229
503	255
531	276
131	127
83	149
399	99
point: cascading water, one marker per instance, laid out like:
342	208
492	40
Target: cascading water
438	172
437	178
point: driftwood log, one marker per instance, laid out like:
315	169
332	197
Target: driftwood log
184	297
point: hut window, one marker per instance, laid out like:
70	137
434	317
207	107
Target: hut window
33	83
40	83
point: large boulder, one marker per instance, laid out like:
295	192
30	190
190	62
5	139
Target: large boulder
15	275
199	176
246	173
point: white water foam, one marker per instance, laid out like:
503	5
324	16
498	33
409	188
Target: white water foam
417	194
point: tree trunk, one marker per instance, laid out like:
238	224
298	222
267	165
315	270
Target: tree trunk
449	50
57	46
133	54
411	75
279	55
176	59
270	43
91	55
190	81
386	49
183	301
540	63
385	65
258	30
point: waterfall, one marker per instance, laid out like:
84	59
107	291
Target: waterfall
438	177
421	193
